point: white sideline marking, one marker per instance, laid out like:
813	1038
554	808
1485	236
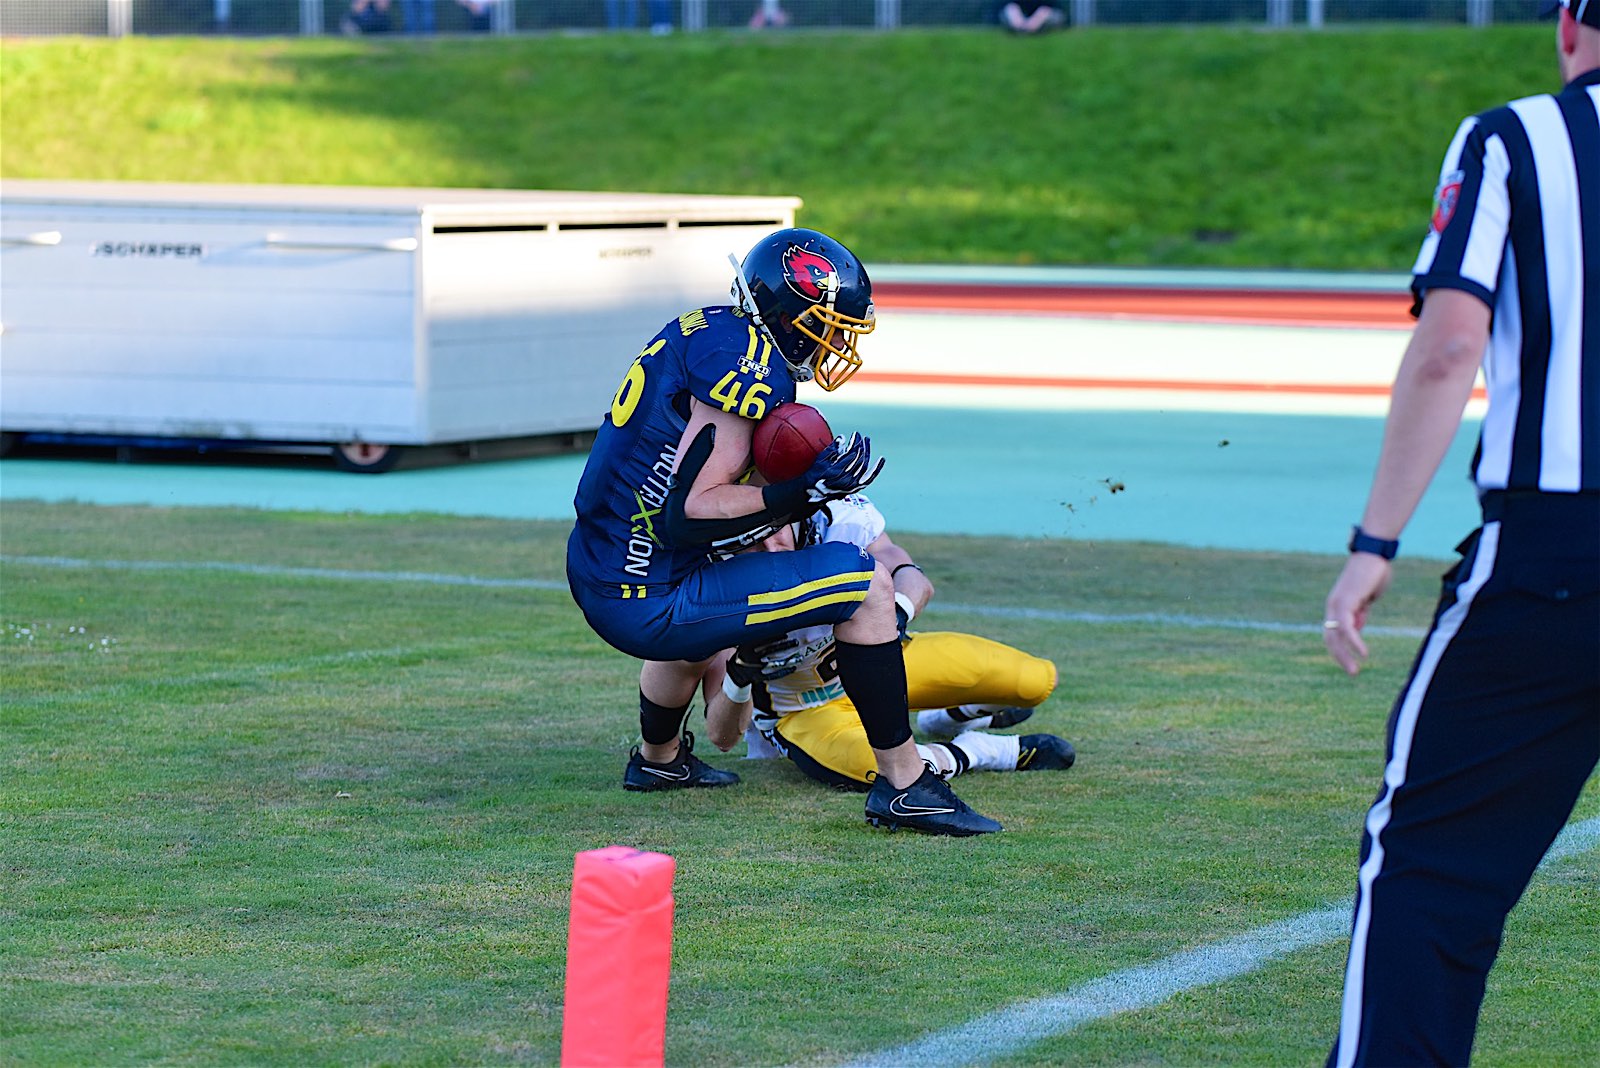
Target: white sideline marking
436	579
1009	1030
1162	618
432	578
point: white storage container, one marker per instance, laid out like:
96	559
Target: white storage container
359	318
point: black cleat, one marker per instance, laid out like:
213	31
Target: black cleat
950	722
1044	752
686	771
1007	717
927	805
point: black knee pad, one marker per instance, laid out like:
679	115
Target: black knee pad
659	724
875	678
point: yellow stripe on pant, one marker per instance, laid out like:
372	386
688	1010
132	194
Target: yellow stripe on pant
812	598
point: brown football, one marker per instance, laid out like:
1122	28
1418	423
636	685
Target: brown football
788	439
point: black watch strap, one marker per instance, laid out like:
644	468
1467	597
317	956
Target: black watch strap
1362	542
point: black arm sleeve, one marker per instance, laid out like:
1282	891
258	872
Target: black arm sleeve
784	502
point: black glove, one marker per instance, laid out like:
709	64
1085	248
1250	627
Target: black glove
744	667
765	662
723	548
840	469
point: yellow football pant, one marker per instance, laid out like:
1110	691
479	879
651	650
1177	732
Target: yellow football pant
943	670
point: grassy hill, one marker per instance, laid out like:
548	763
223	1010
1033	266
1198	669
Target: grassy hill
1170	146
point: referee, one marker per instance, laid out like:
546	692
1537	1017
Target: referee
1498	727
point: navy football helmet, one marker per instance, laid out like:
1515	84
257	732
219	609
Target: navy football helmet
811	297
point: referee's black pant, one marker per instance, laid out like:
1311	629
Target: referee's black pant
1490	742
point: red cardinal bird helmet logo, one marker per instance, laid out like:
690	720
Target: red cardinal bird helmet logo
811	275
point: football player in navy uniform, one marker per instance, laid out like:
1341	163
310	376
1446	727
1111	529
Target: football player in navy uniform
664	508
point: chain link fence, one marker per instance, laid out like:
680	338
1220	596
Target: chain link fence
313	17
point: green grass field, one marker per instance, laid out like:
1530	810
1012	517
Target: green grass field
1173	146
254	816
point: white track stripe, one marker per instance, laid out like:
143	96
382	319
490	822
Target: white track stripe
990	611
1012	1029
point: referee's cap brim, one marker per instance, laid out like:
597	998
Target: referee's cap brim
1585	11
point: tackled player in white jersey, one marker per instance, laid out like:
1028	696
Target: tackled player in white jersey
785	696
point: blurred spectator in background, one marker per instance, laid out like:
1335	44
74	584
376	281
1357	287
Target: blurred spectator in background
1031	16
418	16
366	16
481	13
769	14
221	13
624	15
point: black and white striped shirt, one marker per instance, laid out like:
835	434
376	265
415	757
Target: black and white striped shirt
1516	222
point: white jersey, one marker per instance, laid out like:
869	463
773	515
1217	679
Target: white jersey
815	679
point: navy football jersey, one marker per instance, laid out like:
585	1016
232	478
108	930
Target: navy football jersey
712	354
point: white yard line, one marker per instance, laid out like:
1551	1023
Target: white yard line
1164	619
432	578
1019	1026
269	570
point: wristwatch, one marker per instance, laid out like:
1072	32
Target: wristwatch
1362	542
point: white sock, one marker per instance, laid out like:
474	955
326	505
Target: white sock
966	718
989	752
758	747
941	722
940	759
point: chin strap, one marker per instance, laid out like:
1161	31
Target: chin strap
741	292
746	299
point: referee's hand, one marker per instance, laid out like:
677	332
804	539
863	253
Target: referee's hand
1361	583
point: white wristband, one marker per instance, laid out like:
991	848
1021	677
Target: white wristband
904	602
737	694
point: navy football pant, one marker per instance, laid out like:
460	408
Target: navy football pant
1490	742
752	597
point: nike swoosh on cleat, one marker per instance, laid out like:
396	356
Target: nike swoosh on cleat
897	809
680	775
